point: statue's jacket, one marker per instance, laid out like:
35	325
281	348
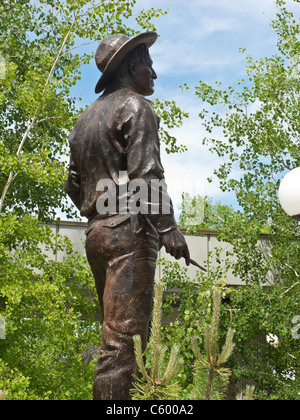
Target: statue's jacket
117	134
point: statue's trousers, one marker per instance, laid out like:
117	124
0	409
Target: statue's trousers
122	254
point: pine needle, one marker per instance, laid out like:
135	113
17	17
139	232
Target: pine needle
2	395
197	352
173	365
214	331
211	380
249	393
156	321
156	365
207	342
139	356
227	349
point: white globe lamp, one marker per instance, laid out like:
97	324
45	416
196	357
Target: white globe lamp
289	193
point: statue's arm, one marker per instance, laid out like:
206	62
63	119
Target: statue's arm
143	160
73	184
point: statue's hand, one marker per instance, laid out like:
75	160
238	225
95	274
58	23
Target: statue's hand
176	245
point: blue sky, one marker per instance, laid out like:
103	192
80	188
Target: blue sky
199	40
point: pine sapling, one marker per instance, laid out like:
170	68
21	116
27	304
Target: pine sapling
2	395
156	383
210	378
249	393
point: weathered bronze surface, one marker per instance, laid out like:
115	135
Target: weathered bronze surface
118	134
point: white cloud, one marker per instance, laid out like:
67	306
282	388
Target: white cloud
188	172
199	37
210	25
181	57
240	9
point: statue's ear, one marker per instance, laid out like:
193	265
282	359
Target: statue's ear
132	68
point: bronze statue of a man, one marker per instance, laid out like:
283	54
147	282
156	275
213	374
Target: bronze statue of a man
114	143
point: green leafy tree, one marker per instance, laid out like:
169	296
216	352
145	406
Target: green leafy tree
260	124
171	116
39	42
49	320
198	213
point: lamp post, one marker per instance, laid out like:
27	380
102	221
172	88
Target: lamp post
289	193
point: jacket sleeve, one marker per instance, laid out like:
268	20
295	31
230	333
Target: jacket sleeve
73	184
140	133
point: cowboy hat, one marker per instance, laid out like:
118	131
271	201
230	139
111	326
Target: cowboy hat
112	51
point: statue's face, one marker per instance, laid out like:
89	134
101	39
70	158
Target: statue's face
144	76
